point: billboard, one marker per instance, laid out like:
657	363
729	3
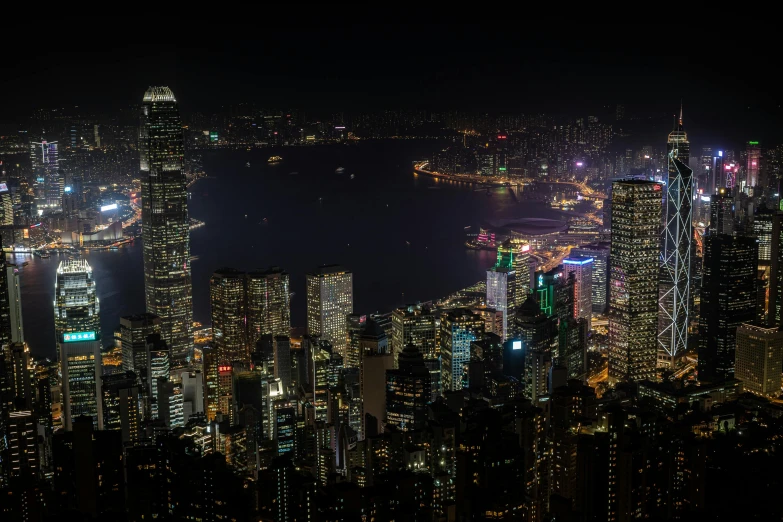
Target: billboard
516	345
3	187
75	337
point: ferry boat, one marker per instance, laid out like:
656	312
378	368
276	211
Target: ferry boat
339	170
42	255
483	241
247	164
352	176
275	159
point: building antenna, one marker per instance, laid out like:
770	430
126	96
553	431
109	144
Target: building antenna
680	112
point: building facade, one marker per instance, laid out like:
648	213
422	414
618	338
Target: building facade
329	302
759	358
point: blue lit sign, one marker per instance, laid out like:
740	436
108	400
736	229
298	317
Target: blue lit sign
67	189
577	261
516	345
75	337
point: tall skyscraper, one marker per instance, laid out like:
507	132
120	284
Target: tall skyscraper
675	272
414	324
633	289
80	366
227	297
76	303
120	395
501	288
14	294
131	337
753	153
44	159
776	272
514	254
268	304
164	223
582	268
759	359
458	329
600	254
722	212
728	299
6	205
408	391
762	230
5	303
282	347
329	301
158	370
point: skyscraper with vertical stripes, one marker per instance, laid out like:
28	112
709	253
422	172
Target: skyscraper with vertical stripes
165	226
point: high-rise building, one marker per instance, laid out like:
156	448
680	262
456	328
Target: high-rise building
121	404
600	254
582	268
22	440
5	304
282	347
408	391
329	301
80	366
6	205
44	159
458	329
762	230
514	254
706	179
158	369
227	297
375	360
164	223
759	358
776	272
722	212
633	289
414	324
675	271
753	153
131	338
76	303
728	299
501	285
14	295
268	304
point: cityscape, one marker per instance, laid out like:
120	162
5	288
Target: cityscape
306	307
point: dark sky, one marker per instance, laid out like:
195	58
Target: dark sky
325	65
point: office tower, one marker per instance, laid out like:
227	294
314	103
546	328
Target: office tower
753	153
501	285
706	177
582	268
5	303
121	404
285	429
555	291
80	367
44	161
192	393
759	359
572	347
329	301
776	272
408	391
536	373
722	212
458	329
283	371
22	441
268	304
14	302
319	380
514	254
158	367
227	297
414	324
76	304
633	288
728	299
211	383
600	254
675	272
6	205
375	360
20	391
165	226
170	403
762	231
131	338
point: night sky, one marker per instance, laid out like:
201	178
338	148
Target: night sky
727	86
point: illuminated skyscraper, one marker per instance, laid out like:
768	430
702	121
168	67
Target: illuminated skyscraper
329	301
44	160
80	366
413	324
582	268
458	329
515	254
722	212
759	359
754	164
633	288
728	299
131	337
501	285
762	230
76	304
675	272
227	297
268	304
164	224
600	254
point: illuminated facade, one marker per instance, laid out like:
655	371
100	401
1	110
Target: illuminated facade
633	287
759	358
227	297
414	324
80	366
132	336
165	226
501	285
600	254
582	268
329	301
120	395
754	163
722	212
515	254
268	304
76	304
44	159
458	329
408	391
675	265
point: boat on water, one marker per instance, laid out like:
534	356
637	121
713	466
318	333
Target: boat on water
42	255
274	159
248	164
467	227
339	170
485	240
353	176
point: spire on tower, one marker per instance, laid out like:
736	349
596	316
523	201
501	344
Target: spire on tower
680	113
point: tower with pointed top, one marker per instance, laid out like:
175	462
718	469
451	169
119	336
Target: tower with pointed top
165	226
674	286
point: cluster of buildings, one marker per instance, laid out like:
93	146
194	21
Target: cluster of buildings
499	404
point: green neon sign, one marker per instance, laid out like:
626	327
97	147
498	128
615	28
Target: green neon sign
75	337
753	143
